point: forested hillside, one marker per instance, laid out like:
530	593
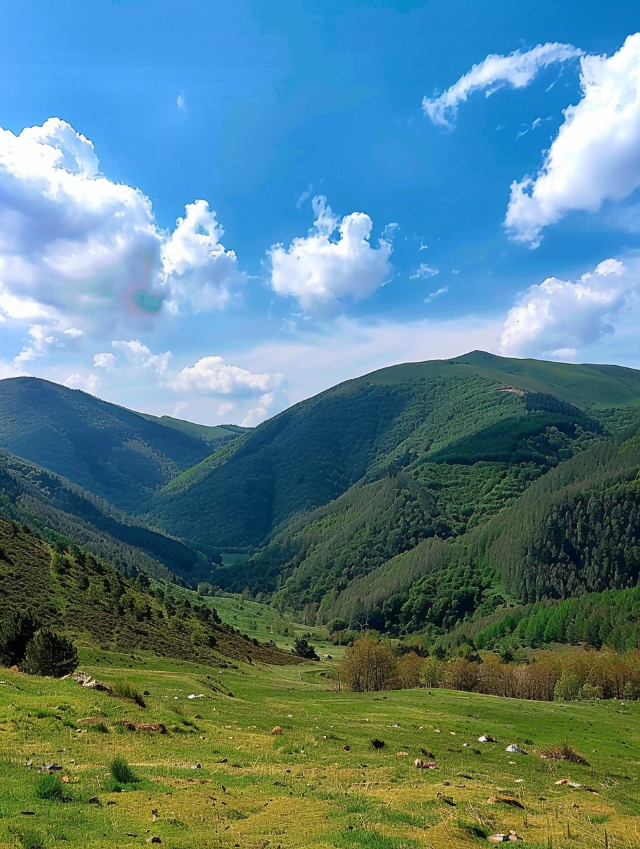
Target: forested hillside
53	507
106	449
367	429
414	499
74	592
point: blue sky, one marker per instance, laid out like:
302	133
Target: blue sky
214	209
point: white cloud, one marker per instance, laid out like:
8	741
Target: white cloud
88	383
517	70
596	155
334	263
105	361
142	357
82	256
200	271
212	376
423	271
438	293
558	317
180	102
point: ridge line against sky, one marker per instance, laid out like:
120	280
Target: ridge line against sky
157	253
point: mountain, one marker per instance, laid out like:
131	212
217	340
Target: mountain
55	507
74	592
109	450
478	407
422	493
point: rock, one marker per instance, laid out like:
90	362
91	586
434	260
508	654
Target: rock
346	748
402	754
277	730
487	738
503	838
153	839
197	766
514	749
52	767
94	801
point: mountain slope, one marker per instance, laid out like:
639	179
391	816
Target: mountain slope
76	593
369	428
575	530
106	449
54	506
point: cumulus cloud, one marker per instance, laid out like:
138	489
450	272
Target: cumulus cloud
517	70
88	383
82	255
335	262
423	271
141	356
200	271
596	155
557	317
212	376
105	361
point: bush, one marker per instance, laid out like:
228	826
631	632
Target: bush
50	654
15	634
49	787
301	648
126	690
122	772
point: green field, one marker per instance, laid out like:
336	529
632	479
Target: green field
301	788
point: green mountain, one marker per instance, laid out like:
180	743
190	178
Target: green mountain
415	498
74	592
404	498
108	450
399	418
54	506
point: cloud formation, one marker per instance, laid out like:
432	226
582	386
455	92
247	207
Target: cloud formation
334	263
557	317
596	155
199	270
517	70
423	271
81	254
213	377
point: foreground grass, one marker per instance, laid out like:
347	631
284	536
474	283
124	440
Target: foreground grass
301	788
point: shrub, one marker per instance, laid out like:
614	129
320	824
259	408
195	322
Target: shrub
301	648
50	654
122	772
50	787
126	690
15	634
564	752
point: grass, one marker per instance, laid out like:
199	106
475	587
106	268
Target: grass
122	772
301	789
49	787
126	690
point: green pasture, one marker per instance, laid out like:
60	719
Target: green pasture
218	777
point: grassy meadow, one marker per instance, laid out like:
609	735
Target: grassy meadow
218	777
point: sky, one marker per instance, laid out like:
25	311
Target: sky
212	209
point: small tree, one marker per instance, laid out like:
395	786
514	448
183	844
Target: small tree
50	654
368	665
409	667
301	648
15	634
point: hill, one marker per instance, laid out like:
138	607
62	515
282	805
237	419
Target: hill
399	418
73	591
108	450
55	507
